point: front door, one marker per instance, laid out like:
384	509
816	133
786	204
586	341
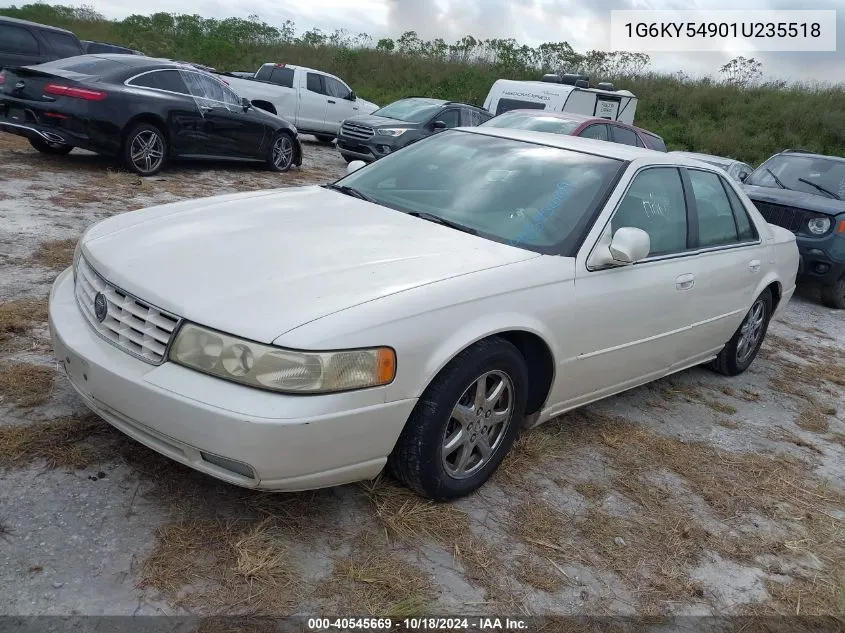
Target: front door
313	103
339	106
628	319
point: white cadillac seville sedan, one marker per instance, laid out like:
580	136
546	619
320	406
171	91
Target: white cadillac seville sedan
417	313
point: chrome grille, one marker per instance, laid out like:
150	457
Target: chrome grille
356	131
130	324
788	217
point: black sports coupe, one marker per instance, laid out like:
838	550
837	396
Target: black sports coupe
142	110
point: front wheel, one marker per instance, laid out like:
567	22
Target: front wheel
833	295
145	149
742	349
46	147
465	422
282	152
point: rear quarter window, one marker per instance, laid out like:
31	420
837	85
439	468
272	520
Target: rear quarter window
282	77
17	40
169	80
655	142
62	44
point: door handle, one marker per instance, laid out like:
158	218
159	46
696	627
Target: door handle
754	265
330	101
685	282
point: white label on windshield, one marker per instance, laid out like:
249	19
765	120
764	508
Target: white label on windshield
607	108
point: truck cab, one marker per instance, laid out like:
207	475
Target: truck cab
562	93
24	43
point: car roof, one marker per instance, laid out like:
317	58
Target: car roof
588	145
37	25
574	116
707	157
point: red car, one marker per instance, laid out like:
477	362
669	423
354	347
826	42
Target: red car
578	125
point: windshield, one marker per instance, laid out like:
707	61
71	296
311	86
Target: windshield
535	122
411	110
809	174
523	194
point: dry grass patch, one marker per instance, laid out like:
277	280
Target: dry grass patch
590	490
721	407
377	581
541	573
746	393
17	317
727	423
26	385
541	525
55	254
232	567
61	443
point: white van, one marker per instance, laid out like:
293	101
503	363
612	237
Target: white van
562	93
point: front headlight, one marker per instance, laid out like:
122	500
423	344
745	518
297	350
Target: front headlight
818	226
392	131
278	369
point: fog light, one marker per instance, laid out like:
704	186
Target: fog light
815	252
821	268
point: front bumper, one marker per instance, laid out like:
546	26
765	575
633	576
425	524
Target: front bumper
369	150
240	435
822	260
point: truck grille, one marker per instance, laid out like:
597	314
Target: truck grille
788	217
130	324
356	131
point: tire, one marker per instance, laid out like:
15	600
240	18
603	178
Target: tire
282	152
322	138
144	149
45	147
421	460
833	295
739	352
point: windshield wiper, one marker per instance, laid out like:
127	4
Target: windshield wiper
820	188
438	220
777	180
350	191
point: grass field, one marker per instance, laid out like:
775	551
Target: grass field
746	122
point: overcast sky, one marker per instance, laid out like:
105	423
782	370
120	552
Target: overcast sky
583	23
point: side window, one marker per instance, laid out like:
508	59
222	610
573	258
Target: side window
745	229
282	77
169	80
264	73
624	136
640	142
470	117
315	83
336	89
716	224
14	39
451	117
655	203
657	143
64	45
597	131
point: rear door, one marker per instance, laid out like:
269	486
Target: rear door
597	131
18	46
624	136
313	102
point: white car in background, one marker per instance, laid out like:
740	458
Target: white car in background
419	312
314	101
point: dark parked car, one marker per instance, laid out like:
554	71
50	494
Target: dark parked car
368	137
96	48
142	110
578	125
24	43
804	192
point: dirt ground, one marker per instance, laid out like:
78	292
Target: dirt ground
697	494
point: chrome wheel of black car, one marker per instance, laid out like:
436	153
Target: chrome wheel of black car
282	152
145	150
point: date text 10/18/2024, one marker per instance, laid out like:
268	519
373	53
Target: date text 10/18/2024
416	624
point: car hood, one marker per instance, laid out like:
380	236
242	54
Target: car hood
363	104
260	264
379	121
802	200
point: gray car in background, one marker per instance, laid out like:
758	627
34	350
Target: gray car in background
736	169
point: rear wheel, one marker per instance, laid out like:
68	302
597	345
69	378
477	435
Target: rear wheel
282	152
46	147
465	422
144	149
833	295
322	138
742	349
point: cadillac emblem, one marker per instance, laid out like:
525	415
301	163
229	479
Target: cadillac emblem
101	306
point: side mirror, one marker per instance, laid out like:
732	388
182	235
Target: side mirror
246	103
743	176
352	96
354	166
627	246
439	125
